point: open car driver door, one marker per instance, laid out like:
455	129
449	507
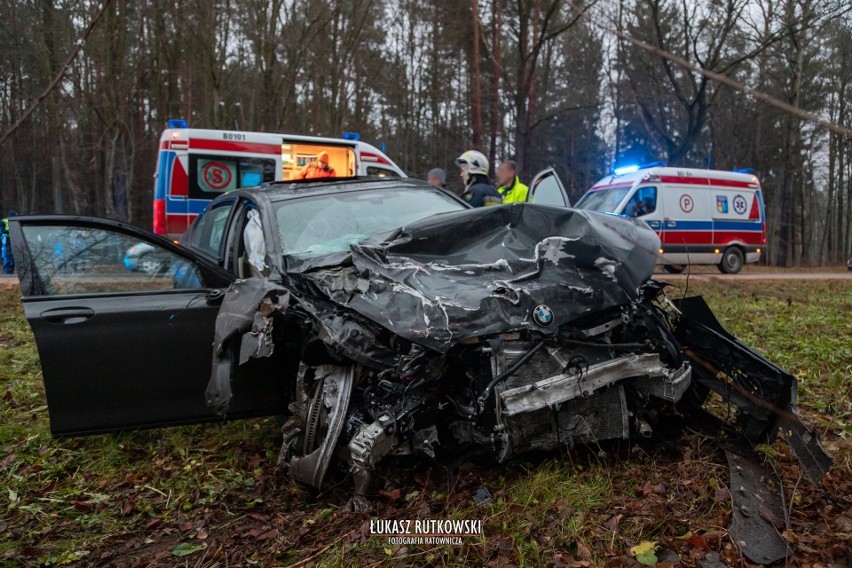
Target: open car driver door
124	323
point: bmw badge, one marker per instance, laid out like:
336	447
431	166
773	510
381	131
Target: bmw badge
542	315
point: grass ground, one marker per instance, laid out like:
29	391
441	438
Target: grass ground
205	495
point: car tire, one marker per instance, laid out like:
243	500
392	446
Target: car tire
673	268
732	261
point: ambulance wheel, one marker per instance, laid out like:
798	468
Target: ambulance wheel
673	268
732	260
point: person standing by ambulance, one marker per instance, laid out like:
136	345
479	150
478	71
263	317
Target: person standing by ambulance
478	191
511	188
6	246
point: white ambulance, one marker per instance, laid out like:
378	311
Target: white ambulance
702	216
194	166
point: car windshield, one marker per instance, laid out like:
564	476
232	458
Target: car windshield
603	199
326	224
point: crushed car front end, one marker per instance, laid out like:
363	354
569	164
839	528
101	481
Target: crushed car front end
508	330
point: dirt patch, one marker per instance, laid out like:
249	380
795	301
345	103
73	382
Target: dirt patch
8	282
7	340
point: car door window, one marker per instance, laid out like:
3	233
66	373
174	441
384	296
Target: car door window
548	191
82	260
643	202
208	236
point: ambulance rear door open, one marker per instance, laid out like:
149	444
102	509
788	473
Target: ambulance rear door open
297	154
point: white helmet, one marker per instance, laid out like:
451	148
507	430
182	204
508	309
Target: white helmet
473	162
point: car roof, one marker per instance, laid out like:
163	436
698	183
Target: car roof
285	190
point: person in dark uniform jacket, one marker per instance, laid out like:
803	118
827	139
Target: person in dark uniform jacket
478	191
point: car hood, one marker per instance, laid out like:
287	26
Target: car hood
478	272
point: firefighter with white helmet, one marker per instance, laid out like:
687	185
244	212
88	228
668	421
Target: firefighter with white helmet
478	191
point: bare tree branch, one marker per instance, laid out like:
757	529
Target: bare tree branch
720	78
79	46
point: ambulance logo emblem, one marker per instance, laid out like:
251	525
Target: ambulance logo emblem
217	175
740	204
542	315
686	203
722	203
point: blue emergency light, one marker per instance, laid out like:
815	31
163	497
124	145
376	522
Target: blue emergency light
177	123
351	136
626	169
620	171
744	171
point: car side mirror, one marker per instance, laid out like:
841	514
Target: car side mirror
214	297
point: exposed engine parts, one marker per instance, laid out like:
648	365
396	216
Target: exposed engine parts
511	394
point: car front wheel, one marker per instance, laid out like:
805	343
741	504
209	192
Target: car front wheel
732	260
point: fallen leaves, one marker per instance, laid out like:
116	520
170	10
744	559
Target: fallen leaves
392	495
263	533
644	553
187	548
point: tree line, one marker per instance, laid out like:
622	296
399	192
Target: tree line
543	82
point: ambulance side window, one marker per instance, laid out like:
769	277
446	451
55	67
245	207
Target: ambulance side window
211	175
643	202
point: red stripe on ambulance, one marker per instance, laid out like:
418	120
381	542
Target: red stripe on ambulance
687	237
720	238
689	180
368	157
227	146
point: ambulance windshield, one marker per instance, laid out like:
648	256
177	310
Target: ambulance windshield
603	199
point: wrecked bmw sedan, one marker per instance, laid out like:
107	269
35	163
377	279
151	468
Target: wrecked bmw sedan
386	317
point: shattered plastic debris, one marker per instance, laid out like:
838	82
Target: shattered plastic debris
482	497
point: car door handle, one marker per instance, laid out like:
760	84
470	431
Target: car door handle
671	223
68	315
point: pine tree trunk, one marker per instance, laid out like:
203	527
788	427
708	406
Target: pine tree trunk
476	81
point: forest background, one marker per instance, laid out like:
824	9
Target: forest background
544	82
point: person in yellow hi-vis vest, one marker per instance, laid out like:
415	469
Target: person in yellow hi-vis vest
511	188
